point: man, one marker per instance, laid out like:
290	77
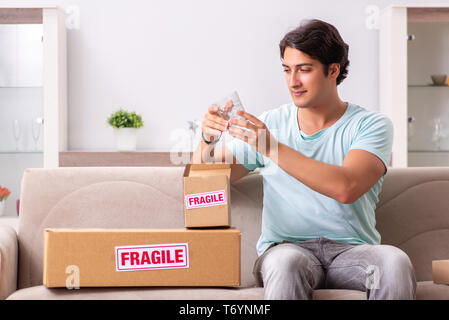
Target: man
318	221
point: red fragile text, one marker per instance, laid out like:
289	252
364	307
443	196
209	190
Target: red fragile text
206	199
157	257
152	257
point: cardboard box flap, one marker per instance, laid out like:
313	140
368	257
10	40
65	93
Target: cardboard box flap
107	230
209	166
208	173
202	170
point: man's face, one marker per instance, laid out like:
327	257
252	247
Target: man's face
305	78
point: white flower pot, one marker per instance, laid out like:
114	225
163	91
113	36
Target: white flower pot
2	207
126	139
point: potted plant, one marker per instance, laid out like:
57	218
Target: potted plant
125	126
4	194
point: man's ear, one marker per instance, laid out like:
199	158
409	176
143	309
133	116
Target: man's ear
334	70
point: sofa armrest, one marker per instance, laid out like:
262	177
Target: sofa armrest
8	261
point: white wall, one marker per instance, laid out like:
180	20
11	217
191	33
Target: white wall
168	60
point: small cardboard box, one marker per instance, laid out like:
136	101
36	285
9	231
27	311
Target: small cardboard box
440	271
207	199
141	257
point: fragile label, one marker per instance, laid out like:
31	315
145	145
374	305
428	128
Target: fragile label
154	256
206	199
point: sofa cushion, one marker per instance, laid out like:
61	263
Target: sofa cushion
255	293
426	290
338	294
155	293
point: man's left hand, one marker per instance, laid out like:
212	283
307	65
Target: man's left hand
257	134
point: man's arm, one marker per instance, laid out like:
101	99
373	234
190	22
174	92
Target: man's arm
346	183
359	171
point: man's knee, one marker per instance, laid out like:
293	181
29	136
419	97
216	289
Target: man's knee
290	272
287	259
394	273
394	261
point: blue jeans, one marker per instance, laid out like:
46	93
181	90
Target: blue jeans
292	270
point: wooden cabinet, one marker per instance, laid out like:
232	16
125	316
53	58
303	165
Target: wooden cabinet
21	55
414	44
33	88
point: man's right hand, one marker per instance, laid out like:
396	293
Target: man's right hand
214	125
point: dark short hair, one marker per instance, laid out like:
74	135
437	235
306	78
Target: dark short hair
320	40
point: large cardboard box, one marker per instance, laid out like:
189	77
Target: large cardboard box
207	199
141	257
440	271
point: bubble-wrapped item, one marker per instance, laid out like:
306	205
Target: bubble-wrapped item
228	113
231	112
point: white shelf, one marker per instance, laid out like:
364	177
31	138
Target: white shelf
428	86
21	152
425	151
24	87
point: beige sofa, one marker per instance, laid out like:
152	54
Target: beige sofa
413	214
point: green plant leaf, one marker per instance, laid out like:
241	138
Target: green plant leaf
124	119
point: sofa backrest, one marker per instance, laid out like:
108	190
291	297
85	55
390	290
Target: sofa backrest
412	213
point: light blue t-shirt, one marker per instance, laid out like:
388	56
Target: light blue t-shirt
294	212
